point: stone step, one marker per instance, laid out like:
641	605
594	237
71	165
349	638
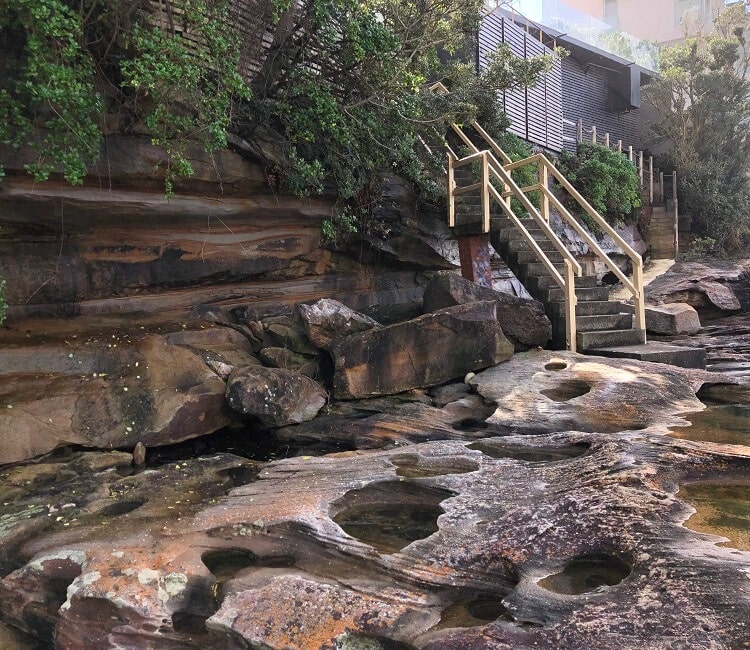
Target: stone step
583	294
599	322
546	281
588	341
587	308
529	257
656	352
539	269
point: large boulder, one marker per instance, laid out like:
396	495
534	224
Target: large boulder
105	393
275	396
328	320
523	320
714	291
425	351
672	318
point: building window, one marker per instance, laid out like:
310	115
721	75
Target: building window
611	16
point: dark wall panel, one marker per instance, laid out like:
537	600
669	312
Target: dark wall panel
535	113
589	94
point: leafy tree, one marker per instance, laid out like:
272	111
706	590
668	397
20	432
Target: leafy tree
703	100
344	86
73	70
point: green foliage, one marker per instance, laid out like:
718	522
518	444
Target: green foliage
363	109
342	223
606	178
49	83
518	149
700	249
70	68
703	99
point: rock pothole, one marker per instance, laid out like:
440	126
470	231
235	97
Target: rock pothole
474	611
415	466
587	574
470	424
390	515
537	454
722	508
567	390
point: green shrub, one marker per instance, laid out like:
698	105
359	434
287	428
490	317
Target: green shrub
606	179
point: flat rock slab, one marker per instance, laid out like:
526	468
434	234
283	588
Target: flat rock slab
425	351
544	391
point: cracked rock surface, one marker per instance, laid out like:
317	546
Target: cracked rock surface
569	536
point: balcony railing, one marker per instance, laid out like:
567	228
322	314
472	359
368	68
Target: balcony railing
557	15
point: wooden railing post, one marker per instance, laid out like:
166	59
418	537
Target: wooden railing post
639	302
593	134
640	167
485	193
650	180
570	307
451	197
579	134
619	146
606	139
630	154
676	215
544	182
661	188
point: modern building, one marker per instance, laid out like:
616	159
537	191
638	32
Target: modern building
658	21
596	89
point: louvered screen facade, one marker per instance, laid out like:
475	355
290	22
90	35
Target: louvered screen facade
535	113
589	95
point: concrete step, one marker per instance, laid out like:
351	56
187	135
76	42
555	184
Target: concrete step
546	281
588	341
656	352
582	293
601	322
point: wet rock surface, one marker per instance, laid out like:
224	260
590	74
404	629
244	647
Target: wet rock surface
275	396
567	539
109	391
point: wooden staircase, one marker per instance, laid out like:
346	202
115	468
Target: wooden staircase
599	320
483	198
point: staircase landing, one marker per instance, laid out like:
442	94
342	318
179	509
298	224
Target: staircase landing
656	352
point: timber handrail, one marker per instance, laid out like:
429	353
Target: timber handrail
546	168
491	168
